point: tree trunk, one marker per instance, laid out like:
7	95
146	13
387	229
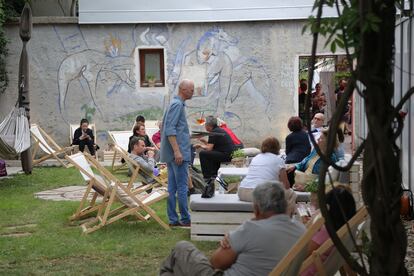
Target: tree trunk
381	184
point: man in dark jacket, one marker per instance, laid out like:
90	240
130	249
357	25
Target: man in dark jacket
83	136
217	149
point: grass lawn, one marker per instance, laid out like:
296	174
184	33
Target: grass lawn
56	247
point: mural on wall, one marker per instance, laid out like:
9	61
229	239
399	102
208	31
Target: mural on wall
232	83
229	84
102	77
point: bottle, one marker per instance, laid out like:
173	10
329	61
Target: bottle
155	171
220	187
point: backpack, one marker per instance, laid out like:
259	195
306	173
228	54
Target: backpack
197	179
3	171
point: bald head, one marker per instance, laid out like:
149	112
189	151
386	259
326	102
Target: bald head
186	89
318	120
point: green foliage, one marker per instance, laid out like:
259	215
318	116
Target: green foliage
9	8
150	78
312	186
345	29
89	112
57	247
238	153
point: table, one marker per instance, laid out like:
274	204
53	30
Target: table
232	171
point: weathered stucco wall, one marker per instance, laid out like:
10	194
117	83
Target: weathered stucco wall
245	73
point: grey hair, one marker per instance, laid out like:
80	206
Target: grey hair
135	140
270	197
211	121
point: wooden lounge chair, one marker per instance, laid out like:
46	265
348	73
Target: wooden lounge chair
121	141
133	202
44	142
291	263
334	262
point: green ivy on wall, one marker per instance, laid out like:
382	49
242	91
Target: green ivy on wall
8	8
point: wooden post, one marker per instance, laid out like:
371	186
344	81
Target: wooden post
24	100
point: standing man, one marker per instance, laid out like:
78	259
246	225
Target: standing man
175	151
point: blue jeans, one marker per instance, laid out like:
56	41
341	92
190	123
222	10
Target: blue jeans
178	184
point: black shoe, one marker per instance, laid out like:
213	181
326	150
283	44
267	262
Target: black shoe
149	191
191	191
185	225
177	224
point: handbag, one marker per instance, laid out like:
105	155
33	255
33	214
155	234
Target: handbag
208	191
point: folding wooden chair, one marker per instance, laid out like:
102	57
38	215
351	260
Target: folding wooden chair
133	202
291	263
44	142
121	141
334	262
132	164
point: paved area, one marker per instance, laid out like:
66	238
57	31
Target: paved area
68	193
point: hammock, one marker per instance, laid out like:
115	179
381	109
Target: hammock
14	134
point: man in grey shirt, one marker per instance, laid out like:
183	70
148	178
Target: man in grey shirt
146	162
254	248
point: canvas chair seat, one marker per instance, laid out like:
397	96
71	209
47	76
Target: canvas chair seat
133	201
334	261
291	263
45	143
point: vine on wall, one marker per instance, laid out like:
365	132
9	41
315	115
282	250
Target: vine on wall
11	8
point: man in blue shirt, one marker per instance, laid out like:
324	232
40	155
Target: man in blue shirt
175	151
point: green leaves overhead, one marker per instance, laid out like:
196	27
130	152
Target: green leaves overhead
346	29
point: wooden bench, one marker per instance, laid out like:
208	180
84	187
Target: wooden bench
212	218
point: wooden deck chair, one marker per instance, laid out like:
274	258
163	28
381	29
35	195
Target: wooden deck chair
133	202
85	207
291	263
44	142
334	262
132	164
121	141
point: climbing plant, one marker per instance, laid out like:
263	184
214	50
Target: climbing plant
8	8
366	31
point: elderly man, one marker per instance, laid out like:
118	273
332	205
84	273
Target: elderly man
254	248
146	161
217	149
175	151
317	125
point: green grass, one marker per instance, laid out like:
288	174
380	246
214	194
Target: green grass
57	247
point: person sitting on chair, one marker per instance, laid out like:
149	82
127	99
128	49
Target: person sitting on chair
146	161
236	141
254	248
83	136
139	131
217	149
310	165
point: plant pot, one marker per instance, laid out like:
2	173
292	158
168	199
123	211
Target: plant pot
151	83
238	162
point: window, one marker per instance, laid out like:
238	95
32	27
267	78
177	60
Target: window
151	62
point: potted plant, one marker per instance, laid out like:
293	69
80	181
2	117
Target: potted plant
312	187
151	80
238	158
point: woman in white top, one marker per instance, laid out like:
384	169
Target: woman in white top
266	166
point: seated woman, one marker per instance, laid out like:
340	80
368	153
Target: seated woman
83	136
311	164
156	137
297	142
139	131
337	198
266	166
